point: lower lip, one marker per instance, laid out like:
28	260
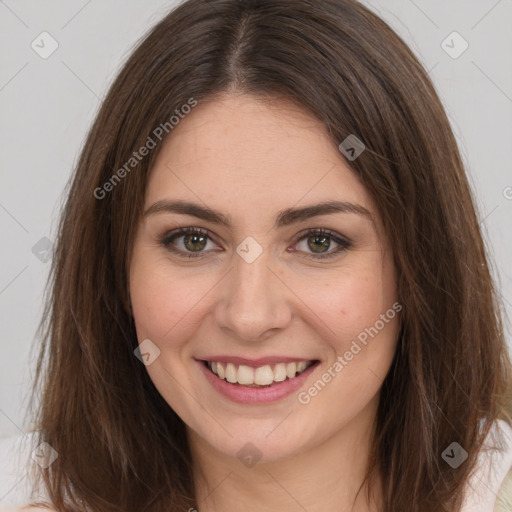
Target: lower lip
246	395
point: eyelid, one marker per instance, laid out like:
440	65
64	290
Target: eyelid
324	231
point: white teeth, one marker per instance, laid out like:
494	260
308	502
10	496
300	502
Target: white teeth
261	376
231	375
291	370
245	375
280	372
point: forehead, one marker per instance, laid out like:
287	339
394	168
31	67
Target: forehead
240	152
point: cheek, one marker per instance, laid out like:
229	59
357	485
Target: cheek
362	314
352	298
358	305
166	300
159	300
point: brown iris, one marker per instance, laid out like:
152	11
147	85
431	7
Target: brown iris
197	242
321	242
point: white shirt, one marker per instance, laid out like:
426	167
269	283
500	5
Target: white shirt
492	468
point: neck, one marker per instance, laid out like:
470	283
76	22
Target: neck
326	477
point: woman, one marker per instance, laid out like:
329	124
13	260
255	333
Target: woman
270	290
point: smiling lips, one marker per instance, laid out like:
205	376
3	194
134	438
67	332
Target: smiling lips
261	376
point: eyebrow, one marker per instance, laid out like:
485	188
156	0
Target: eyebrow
284	218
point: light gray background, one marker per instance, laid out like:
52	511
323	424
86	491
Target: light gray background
47	106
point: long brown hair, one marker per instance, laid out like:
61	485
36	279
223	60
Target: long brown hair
121	447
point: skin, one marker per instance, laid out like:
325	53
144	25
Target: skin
250	159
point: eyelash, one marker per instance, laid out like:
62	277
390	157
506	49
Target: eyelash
343	243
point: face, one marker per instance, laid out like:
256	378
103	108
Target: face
262	278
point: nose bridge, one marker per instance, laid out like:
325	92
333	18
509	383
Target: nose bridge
255	300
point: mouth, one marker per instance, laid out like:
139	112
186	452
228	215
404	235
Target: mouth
264	376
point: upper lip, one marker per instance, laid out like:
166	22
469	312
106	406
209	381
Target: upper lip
254	363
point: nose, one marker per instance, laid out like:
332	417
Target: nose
255	302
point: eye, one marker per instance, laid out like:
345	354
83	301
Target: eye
193	242
319	241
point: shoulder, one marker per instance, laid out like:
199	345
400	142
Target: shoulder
489	486
504	499
504	495
29	508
